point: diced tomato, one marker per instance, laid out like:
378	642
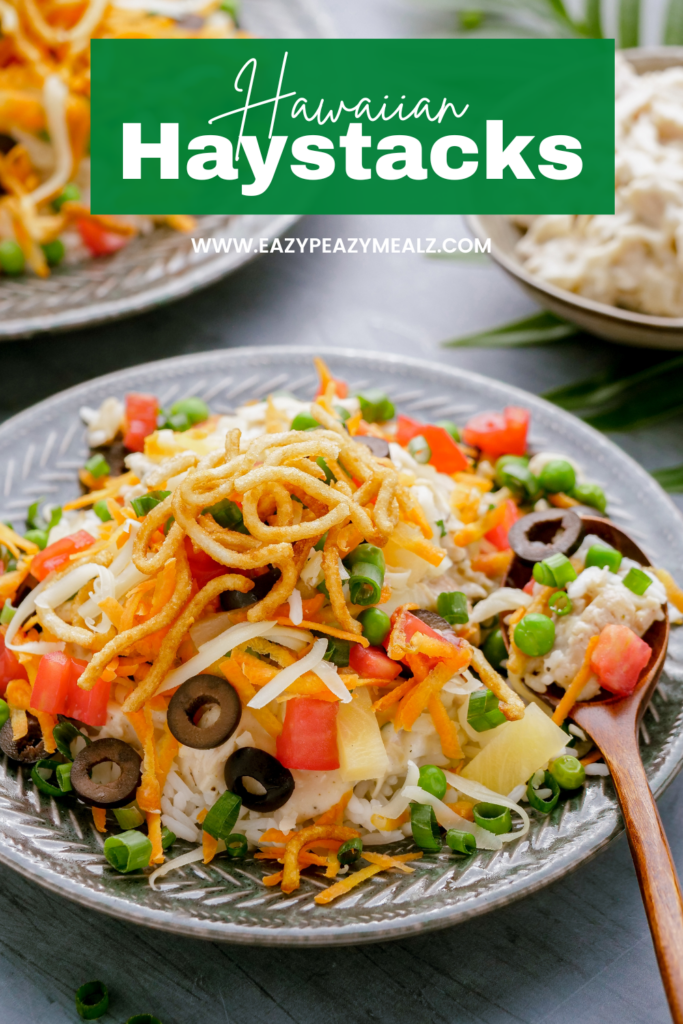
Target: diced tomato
412	625
341	388
407	429
373	662
499	433
100	241
528	588
619	658
202	566
10	667
89	706
309	735
141	420
52	688
56	555
499	534
446	456
56	690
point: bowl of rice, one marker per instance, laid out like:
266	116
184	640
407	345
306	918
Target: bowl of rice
619	276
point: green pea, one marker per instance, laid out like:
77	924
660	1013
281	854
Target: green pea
38	537
12	258
304	421
450	428
433	781
54	251
590	494
494	648
376	625
194	409
568	772
557	475
71	193
535	635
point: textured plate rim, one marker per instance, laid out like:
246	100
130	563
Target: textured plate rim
375	931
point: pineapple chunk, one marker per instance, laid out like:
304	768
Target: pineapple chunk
361	750
519	750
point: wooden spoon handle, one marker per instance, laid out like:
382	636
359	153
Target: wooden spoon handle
656	872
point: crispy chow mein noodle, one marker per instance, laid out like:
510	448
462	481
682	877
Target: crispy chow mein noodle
299	634
45	123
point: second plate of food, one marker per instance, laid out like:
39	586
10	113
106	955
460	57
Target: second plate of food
252	665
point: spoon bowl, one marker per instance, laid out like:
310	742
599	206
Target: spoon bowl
613	723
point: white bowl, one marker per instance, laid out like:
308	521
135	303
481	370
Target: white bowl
606	321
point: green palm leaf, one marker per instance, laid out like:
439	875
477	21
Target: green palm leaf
539	329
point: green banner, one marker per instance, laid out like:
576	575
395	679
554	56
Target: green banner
352	126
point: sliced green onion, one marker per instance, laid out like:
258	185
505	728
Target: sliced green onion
637	581
54	251
338	651
433	781
555	571
365	584
304	421
568	772
602	555
342	413
221	819
321	543
452	606
450	428
228	515
146	502
40	782
194	409
461	842
129	817
4	712
483	711
419	449
535	635
38	537
426	832
32	521
375	406
494	648
97	465
92	1000
350	851
494	818
544	806
236	846
376	625
128	851
101	511
329	475
64	734
519	479
7	613
442	527
561	603
63	773
168	524
168	838
71	193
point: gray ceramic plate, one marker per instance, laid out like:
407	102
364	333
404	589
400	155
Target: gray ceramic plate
162	266
606	321
55	844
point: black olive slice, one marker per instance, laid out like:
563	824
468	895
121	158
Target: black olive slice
263	584
377	445
542	534
196	693
30	748
253	763
106	794
433	620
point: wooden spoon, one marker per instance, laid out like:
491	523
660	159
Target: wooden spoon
612	723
